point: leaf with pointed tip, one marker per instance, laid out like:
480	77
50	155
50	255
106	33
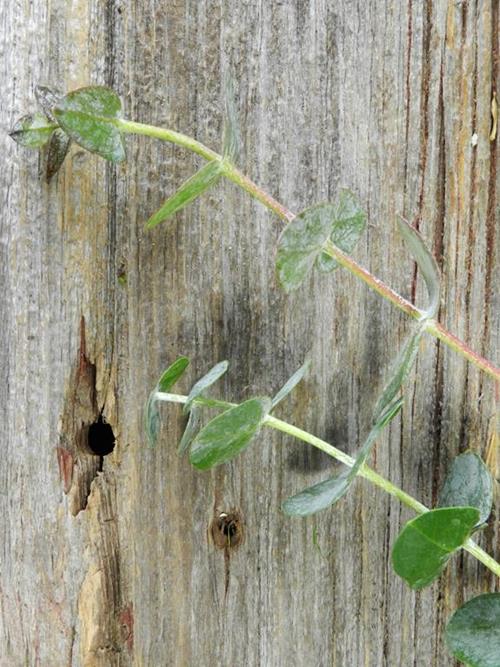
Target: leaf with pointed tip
400	371
58	149
291	383
90	117
164	384
473	632
192	428
348	225
468	484
426	543
425	262
320	496
172	374
228	434
47	98
32	131
205	382
189	190
300	243
232	135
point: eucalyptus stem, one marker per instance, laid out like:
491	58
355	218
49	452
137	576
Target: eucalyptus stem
374	283
365	471
173	137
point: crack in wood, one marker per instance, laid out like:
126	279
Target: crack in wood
100	608
77	465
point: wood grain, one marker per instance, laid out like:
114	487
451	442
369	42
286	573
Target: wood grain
381	97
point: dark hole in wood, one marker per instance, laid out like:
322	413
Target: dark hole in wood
227	530
101	439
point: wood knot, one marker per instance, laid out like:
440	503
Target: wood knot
227	529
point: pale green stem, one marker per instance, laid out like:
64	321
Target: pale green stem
235	175
365	471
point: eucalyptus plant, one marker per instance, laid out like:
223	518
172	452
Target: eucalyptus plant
321	238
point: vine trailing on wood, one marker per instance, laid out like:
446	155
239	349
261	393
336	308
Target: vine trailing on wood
322	237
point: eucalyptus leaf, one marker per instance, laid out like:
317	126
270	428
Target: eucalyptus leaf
58	149
468	483
170	376
232	135
90	117
400	371
348	225
320	496
300	243
205	382
32	131
47	98
164	384
228	434
473	632
192	428
425	262
291	383
426	543
189	190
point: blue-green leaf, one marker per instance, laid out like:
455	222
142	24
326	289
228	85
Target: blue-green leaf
90	117
205	382
58	149
300	243
172	374
468	484
425	262
232	135
348	225
426	543
322	495
400	371
228	434
164	384
192	428
291	383
473	633
189	190
32	131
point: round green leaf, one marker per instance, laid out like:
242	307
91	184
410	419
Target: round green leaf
348	226
32	131
468	483
425	544
88	116
228	434
473	633
301	242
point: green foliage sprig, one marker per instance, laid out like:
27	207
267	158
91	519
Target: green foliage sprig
322	237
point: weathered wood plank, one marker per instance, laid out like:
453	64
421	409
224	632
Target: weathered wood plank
382	97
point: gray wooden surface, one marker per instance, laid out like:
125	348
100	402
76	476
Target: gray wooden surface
383	97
